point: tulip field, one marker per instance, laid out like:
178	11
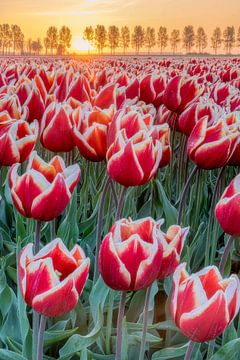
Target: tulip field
119	208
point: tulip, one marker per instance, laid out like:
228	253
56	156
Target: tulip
56	131
211	146
180	92
220	93
17	142
165	116
90	135
44	190
79	89
233	120
172	242
162	132
131	120
204	304
34	105
52	281
228	208
10	103
152	89
134	161
235	102
195	112
5	122
130	255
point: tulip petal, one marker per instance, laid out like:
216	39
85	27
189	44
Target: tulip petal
57	301
207	321
113	271
51	202
40	277
63	261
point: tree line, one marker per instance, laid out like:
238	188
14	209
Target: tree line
115	38
12	40
56	41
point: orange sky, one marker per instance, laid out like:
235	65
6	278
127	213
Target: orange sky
34	16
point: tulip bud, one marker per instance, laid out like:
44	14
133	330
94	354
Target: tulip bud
181	92
134	161
90	135
228	208
44	190
17	142
173	243
204	304
56	131
52	281
210	146
195	112
130	255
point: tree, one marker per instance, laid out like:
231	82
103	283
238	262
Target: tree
150	38
162	38
100	37
52	36
175	39
113	38
88	35
46	44
188	37
238	37
138	38
6	37
29	45
201	39
229	38
36	46
17	38
125	38
216	39
65	38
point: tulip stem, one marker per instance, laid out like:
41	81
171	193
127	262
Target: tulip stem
99	227
120	325
35	327
37	237
53	229
189	350
181	163
184	195
172	143
198	193
41	338
145	323
120	203
211	346
35	319
226	252
210	223
114	193
109	321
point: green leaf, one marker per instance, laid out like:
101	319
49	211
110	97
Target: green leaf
170	353
98	297
10	355
170	213
230	351
53	337
77	342
229	334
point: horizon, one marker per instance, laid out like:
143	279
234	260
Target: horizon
35	18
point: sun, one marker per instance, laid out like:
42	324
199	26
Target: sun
79	44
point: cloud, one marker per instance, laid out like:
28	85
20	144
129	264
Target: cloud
70	7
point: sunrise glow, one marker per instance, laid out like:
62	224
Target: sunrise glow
81	45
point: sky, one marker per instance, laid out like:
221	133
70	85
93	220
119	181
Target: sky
35	16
